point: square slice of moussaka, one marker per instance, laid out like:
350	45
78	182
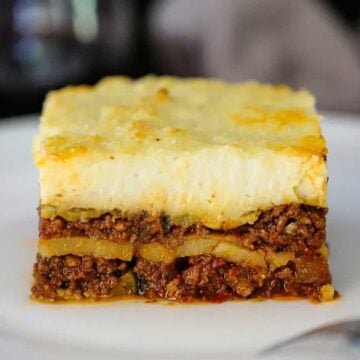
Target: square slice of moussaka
182	189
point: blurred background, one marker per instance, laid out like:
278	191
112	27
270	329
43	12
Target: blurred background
46	44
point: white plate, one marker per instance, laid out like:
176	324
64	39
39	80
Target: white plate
154	330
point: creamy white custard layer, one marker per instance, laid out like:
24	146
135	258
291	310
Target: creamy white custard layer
218	187
200	150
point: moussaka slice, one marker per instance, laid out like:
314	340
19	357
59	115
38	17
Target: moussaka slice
182	189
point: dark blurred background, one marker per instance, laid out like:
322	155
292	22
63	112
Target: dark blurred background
46	44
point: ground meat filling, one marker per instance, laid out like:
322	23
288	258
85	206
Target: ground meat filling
207	277
203	277
83	276
282	228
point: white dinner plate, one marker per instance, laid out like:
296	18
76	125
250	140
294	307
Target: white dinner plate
129	329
